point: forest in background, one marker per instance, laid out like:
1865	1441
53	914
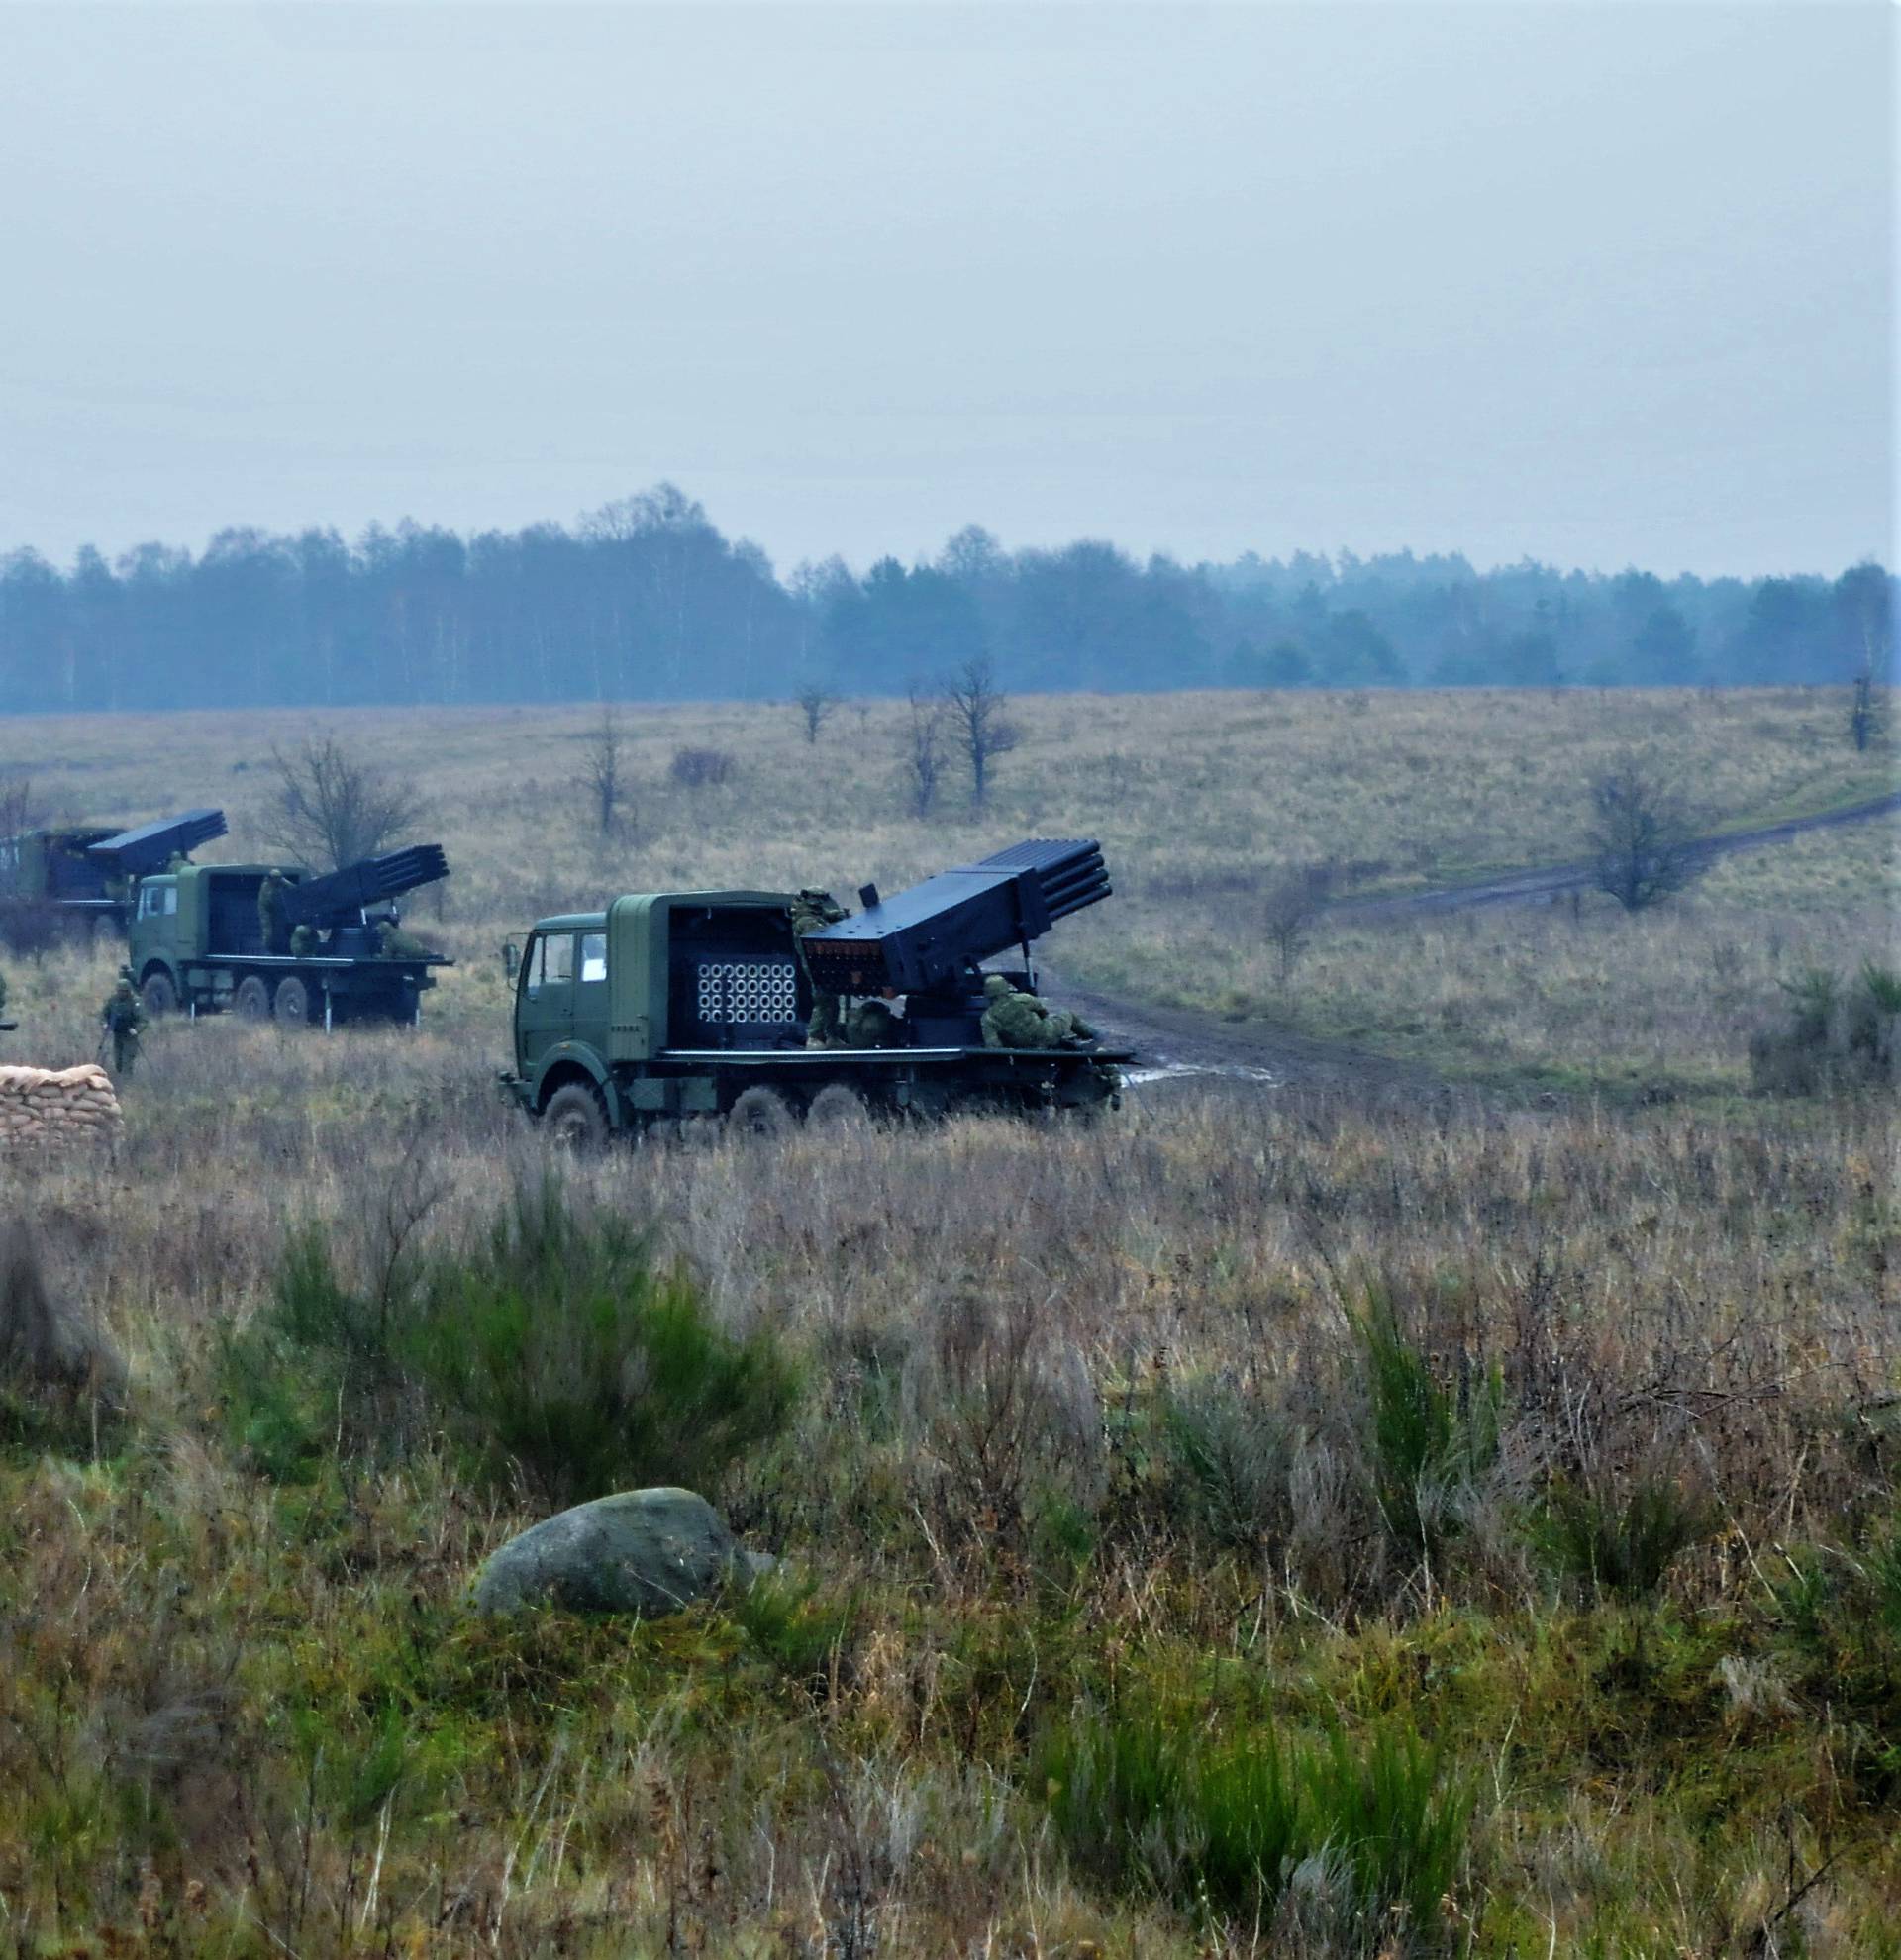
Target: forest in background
647	600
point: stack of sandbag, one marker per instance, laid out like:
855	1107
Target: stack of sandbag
43	1108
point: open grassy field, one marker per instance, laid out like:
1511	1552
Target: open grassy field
1265	1524
1200	800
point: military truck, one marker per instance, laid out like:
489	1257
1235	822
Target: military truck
90	873
672	1005
198	942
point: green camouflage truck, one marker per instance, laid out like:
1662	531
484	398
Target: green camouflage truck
674	1006
197	943
83	877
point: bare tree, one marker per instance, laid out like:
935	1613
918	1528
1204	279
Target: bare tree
328	809
1292	903
601	770
1640	836
816	704
923	737
976	715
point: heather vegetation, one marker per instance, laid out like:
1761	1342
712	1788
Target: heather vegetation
646	599
1458	1515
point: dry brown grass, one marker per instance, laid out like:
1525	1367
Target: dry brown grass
256	1717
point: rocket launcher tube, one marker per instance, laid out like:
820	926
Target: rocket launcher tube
339	896
935	934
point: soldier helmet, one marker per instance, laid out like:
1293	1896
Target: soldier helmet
125	973
995	986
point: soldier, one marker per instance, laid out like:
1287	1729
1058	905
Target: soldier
270	912
1016	1020
392	942
876	1024
810	912
123	1018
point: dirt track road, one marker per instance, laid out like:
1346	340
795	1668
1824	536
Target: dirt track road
1541	886
1176	1045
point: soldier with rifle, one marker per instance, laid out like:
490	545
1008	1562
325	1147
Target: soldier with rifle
123	1019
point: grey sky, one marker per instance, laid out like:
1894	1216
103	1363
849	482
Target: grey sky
1599	284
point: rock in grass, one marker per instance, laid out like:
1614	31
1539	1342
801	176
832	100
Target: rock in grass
644	1552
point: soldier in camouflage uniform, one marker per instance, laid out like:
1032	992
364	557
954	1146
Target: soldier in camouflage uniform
123	1019
1016	1020
810	912
270	912
874	1024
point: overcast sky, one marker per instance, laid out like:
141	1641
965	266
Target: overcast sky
1601	284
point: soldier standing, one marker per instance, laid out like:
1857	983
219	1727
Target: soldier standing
123	1019
812	911
270	912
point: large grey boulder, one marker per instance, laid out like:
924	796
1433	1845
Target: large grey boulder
644	1552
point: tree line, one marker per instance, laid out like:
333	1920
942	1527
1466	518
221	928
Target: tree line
647	600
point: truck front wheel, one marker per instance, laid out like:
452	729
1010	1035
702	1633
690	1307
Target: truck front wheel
158	995
252	998
576	1118
294	1001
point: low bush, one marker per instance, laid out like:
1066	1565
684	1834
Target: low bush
63	1384
555	1347
1621	1541
702	768
1424	1439
1138	1793
1835	1034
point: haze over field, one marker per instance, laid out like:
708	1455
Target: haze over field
1600	285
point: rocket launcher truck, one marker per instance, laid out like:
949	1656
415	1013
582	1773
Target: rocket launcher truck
670	1006
91	872
198	942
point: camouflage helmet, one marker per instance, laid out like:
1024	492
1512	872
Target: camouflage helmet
995	986
125	973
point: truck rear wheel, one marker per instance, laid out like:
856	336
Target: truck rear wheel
158	995
576	1118
253	998
761	1111
292	1004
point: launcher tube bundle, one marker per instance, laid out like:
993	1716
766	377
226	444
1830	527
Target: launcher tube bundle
339	897
137	854
933	937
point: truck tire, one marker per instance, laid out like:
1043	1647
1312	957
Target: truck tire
158	996
576	1118
761	1111
292	1003
838	1108
253	998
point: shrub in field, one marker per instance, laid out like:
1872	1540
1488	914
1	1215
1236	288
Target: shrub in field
701	768
1621	1540
556	1346
1228	1462
1835	1034
58	1376
1423	1439
1137	1794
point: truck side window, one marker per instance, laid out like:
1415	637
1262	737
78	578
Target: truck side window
593	957
558	957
